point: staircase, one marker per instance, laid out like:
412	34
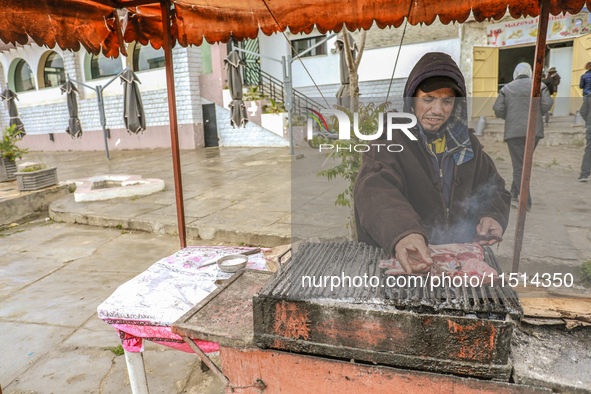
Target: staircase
272	88
560	130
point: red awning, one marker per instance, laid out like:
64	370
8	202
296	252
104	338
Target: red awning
71	23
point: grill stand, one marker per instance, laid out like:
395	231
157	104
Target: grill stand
228	316
459	330
433	343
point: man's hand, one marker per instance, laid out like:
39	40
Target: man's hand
413	255
489	226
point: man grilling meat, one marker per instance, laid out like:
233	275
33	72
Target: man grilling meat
441	188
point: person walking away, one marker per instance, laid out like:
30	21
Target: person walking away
554	78
585	112
512	104
550	85
585	83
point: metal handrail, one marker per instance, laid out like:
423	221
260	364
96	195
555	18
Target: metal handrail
271	87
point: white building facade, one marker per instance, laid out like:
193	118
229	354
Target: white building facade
36	74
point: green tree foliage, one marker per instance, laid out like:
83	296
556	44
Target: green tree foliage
586	271
8	148
349	161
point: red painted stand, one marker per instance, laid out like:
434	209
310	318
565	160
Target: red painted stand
226	317
288	373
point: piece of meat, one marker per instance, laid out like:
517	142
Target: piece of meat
443	258
451	260
392	266
466	250
395	271
475	267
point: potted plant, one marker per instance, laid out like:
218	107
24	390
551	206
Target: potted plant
9	152
274	118
35	176
274	108
252	94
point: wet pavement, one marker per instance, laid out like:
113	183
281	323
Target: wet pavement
261	196
52	278
53	275
231	194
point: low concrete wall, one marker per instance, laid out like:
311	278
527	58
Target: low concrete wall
190	137
26	204
69	211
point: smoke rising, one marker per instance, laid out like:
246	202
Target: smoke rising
462	227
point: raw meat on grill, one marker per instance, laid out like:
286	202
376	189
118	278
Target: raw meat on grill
461	251
475	267
451	260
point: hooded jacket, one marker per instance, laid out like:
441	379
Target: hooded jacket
512	104
397	194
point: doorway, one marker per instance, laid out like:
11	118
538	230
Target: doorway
210	127
509	58
562	59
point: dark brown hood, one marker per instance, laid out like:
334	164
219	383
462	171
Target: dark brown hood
433	64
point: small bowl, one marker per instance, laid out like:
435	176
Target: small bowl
232	267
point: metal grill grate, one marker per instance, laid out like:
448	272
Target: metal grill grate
350	259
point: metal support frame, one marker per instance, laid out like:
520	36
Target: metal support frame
174	128
534	107
214	368
137	372
287	80
101	104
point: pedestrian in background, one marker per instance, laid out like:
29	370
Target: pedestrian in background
585	83
585	112
552	81
550	85
513	105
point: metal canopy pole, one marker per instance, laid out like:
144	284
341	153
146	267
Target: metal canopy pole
288	96
174	130
534	107
103	118
101	104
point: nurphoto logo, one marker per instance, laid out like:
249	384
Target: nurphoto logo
345	129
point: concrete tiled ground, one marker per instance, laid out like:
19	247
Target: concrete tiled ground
53	275
261	195
52	278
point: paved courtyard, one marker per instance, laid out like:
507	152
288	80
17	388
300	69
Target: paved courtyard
53	274
262	196
52	278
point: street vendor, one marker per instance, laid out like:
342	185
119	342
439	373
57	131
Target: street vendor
442	188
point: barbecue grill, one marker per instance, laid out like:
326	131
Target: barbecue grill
462	330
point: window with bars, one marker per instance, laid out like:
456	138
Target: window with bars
101	66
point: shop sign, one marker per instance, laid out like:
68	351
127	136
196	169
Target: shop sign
524	31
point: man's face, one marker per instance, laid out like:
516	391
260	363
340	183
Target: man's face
434	108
